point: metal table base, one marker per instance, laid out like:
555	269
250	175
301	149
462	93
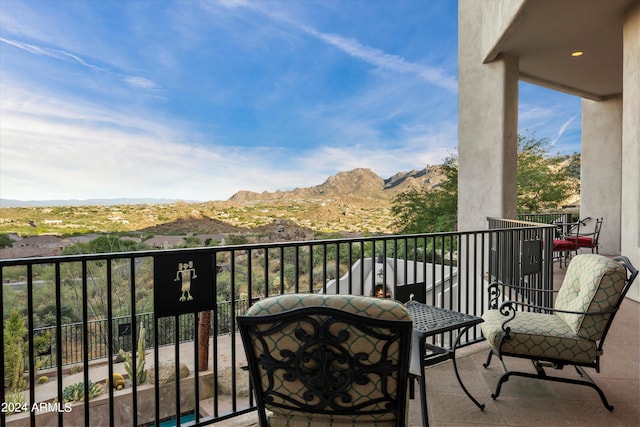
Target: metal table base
429	321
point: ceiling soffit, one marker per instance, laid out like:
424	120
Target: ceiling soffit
544	33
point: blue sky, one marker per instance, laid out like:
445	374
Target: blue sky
197	99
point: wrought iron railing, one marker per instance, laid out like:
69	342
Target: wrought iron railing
546	218
519	255
449	270
122	327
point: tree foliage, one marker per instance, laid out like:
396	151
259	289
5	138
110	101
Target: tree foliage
421	210
5	241
104	244
14	332
544	182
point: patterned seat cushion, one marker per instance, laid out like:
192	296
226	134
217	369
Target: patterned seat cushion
360	341
537	335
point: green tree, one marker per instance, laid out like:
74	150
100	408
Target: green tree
5	241
104	244
421	210
545	181
236	239
14	333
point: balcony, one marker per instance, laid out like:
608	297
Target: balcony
530	402
455	268
540	403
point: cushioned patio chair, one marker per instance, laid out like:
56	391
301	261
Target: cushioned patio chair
562	246
571	333
588	240
328	360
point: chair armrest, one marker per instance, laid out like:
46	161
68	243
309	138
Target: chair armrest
494	291
508	309
568	229
580	234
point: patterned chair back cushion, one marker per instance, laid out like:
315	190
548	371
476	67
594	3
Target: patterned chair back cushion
375	308
370	394
592	283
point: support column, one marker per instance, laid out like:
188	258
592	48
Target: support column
487	123
630	223
601	178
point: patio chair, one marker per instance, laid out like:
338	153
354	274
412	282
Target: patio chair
571	333
328	360
562	246
588	240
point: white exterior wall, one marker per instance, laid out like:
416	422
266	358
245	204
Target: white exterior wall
630	221
601	178
439	278
487	115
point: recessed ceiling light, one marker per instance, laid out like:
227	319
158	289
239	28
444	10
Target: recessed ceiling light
577	53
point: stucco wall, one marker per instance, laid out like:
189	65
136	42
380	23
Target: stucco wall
631	142
601	176
498	15
487	116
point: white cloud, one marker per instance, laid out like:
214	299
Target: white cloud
419	147
562	129
384	60
530	115
354	48
140	82
61	55
60	148
54	148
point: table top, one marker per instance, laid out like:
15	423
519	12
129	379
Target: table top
429	320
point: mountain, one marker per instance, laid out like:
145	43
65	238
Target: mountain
357	183
194	224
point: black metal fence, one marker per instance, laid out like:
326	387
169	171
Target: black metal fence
66	300
518	255
122	326
546	218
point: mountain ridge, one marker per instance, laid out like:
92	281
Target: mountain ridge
359	182
356	183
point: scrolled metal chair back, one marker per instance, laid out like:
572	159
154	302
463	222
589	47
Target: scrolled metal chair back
325	364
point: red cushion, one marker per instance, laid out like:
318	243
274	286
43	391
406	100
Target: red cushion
563	245
583	241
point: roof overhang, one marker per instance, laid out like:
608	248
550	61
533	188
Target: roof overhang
544	33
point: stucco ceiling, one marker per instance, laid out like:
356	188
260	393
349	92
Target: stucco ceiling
545	32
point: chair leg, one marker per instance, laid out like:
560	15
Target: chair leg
423	396
412	387
594	386
504	378
541	375
488	362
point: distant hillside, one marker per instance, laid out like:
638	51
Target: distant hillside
194	224
357	183
12	203
353	202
